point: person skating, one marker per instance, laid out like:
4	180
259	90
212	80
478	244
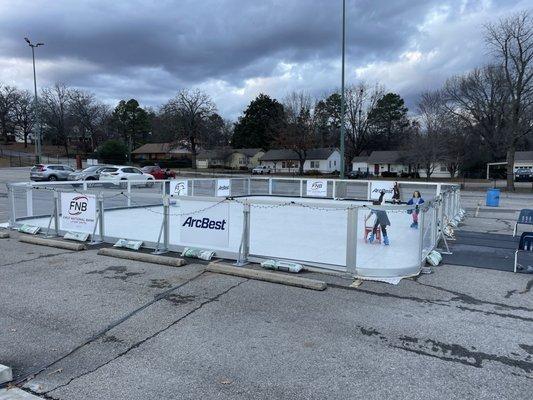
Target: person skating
396	194
416	200
382	221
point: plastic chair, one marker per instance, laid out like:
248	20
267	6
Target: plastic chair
525	218
525	245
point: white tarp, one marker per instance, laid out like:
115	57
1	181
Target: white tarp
179	187
78	212
317	188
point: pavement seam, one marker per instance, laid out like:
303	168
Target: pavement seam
36	258
155	334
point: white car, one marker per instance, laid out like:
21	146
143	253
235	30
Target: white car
119	175
261	169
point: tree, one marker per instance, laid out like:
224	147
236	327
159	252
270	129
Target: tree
327	119
8	99
24	115
297	133
130	121
112	152
260	124
54	111
511	39
188	115
90	118
388	122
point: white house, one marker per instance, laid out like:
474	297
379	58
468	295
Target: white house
325	160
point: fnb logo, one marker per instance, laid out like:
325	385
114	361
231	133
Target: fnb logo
316	185
78	205
205	223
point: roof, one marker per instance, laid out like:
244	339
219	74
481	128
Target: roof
284	154
385	157
215	154
523	156
247	152
360	159
158	148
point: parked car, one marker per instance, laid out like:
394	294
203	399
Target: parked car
261	169
159	173
50	172
523	175
358	175
91	173
119	175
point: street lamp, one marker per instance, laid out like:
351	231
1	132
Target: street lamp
343	105
35	103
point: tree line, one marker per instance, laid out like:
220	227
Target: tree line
483	115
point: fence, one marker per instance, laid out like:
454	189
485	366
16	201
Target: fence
257	218
19	160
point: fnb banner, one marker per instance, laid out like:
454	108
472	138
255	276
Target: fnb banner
78	212
317	187
204	226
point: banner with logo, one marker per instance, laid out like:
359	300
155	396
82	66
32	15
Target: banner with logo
317	187
223	188
179	188
78	212
376	187
208	228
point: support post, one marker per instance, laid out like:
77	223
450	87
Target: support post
270	186
29	201
128	186
249	186
57	206
84	185
101	216
192	187
421	238
301	188
13	212
164	227
244	248
351	241
334	191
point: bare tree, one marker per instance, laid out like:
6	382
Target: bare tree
360	101
511	40
24	115
54	110
298	133
186	114
8	99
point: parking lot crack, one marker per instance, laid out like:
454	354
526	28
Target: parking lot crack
36	258
155	334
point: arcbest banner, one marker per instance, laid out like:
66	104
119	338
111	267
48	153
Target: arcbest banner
223	188
204	224
378	186
179	188
317	188
78	212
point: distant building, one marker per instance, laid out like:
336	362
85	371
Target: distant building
228	158
325	160
523	159
160	151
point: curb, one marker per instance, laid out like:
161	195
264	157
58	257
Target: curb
148	258
267	276
17	394
4	235
6	374
52	243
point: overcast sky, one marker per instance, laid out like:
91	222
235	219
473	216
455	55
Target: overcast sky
235	49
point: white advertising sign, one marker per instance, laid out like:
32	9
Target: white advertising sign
208	228
317	187
179	188
78	212
223	188
376	187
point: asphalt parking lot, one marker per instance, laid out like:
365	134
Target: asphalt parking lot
83	326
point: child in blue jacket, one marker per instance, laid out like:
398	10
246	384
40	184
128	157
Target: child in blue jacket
416	200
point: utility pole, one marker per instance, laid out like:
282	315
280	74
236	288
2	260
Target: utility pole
38	128
343	104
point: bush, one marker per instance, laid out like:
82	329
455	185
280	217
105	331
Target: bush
168	163
112	152
313	172
387	174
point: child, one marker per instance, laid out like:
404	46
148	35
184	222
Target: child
416	201
382	220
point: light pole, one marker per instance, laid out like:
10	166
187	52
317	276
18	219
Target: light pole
343	105
35	104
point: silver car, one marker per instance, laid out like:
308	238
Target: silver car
50	172
91	173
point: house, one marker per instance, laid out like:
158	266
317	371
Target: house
160	151
229	158
523	159
394	161
325	160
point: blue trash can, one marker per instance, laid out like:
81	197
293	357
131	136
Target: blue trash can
493	197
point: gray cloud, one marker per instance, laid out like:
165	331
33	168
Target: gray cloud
233	49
